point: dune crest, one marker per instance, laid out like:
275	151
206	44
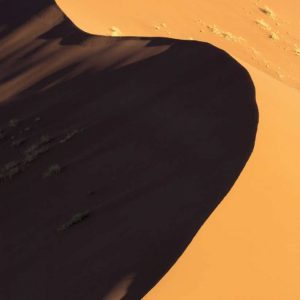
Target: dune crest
114	152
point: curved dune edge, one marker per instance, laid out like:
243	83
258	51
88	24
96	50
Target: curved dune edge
269	42
250	246
138	146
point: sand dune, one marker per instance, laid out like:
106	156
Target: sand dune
114	152
231	25
250	247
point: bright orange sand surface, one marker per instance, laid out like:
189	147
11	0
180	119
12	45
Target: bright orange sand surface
250	247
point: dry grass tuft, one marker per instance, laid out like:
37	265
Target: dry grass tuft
263	24
69	136
274	36
225	34
35	150
8	171
19	142
77	218
115	31
52	171
268	11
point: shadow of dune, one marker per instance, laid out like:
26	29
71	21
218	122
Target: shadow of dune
150	134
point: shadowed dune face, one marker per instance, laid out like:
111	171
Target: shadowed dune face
138	139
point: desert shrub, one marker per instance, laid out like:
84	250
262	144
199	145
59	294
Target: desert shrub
268	11
69	136
77	218
41	147
18	142
263	24
274	36
8	171
53	170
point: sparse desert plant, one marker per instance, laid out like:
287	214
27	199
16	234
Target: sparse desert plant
268	11
69	136
263	24
13	122
41	147
214	29
30	154
33	155
52	171
274	36
18	142
77	218
9	170
115	31
44	139
225	34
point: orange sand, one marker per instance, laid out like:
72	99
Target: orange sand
250	246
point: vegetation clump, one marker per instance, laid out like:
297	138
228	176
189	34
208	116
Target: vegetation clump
115	31
225	34
263	24
8	171
35	150
274	36
77	218
69	136
19	142
268	11
53	170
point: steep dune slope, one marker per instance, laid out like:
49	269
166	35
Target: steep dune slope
114	152
249	248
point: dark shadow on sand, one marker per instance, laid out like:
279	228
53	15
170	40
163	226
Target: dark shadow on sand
157	144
